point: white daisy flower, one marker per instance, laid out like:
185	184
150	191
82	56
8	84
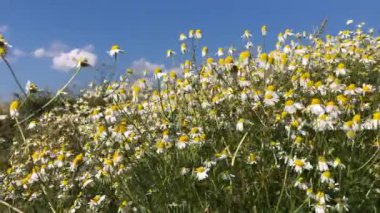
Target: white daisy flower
300	164
182	37
247	34
115	50
201	173
326	177
315	107
322	164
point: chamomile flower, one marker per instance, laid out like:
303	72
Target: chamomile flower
3	46
246	35
316	107
170	53
31	87
183	48
96	201
252	158
182	142
60	161
77	161
160	147
240	125
115	50
204	51
350	90
32	125
270	98
326	177
158	73
337	163
373	122
264	30
231	50
191	33
220	52
248	45
201	173
365	89
14	109
300	165
341	204
290	107
321	197
82	62
340	70
182	37
3	42
322	164
244	57
198	34
300	183
184	171
320	208
222	154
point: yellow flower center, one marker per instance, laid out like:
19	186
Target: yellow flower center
315	101
210	61
376	116
200	169
356	118
351	87
244	55
268	96
270	88
299	163
289	103
14	105
326	174
115	47
263	57
183	139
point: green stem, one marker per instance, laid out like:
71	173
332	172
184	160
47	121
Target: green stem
10	206
54	98
283	185
237	149
14	75
366	163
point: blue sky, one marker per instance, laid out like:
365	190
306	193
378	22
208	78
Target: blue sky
146	29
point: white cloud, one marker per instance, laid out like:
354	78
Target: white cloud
4	28
18	52
142	64
63	58
55	49
66	61
39	53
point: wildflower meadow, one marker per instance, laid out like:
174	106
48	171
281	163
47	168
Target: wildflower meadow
240	129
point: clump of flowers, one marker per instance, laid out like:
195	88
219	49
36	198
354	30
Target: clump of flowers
292	129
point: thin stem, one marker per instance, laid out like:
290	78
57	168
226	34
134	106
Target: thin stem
10	206
366	163
54	98
283	185
237	149
14	75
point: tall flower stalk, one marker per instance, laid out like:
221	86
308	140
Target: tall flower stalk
59	92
